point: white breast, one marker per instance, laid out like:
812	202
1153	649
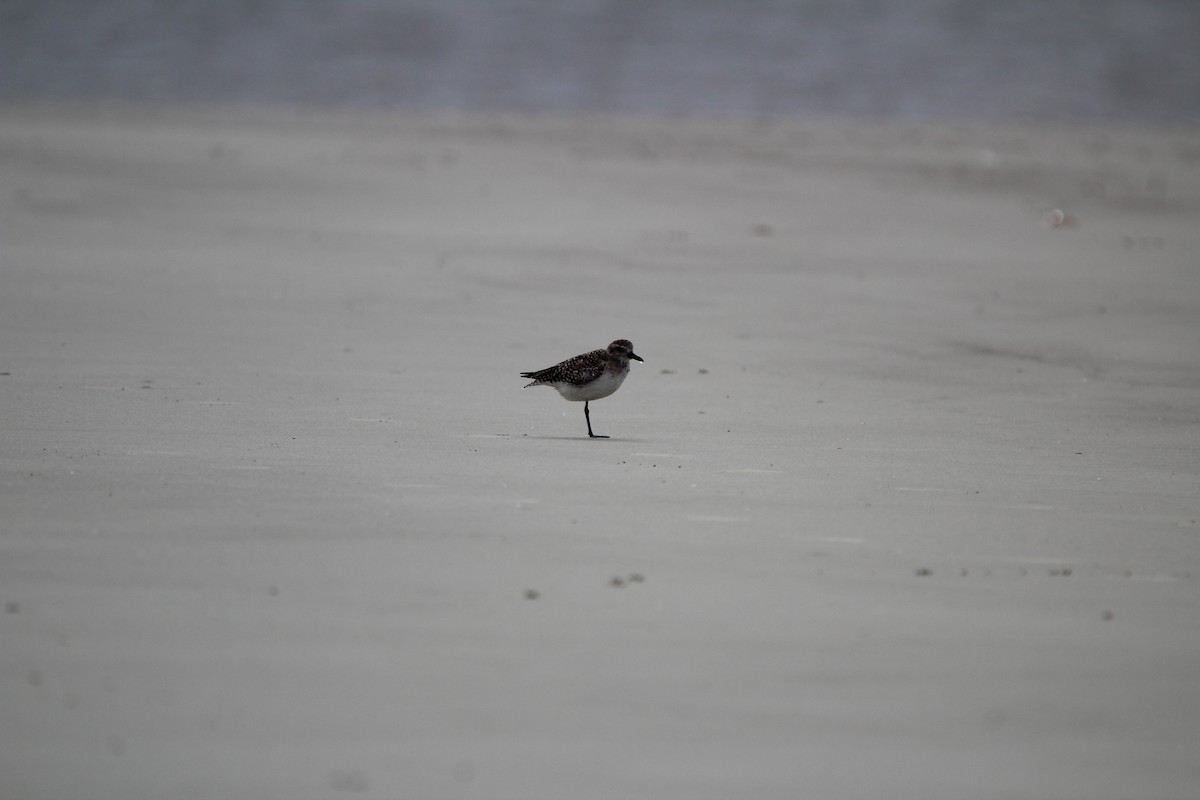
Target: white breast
606	384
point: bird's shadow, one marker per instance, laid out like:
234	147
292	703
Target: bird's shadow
585	439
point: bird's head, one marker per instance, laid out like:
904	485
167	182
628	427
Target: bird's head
623	349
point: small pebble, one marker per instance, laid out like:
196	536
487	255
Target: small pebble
1057	218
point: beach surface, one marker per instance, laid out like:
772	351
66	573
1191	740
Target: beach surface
905	501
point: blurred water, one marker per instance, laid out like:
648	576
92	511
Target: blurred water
1091	59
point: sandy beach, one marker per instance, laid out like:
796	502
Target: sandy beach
904	503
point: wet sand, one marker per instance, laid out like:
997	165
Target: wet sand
905	501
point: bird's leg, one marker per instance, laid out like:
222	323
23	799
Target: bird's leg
588	417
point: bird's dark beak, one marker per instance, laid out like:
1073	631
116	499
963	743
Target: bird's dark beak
636	357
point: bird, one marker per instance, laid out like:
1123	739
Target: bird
589	376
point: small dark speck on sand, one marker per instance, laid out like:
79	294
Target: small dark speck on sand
1107	616
616	582
12	607
923	572
532	594
349	780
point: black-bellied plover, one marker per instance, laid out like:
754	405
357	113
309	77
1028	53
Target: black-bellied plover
589	376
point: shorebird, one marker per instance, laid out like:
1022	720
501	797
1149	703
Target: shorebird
589	376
